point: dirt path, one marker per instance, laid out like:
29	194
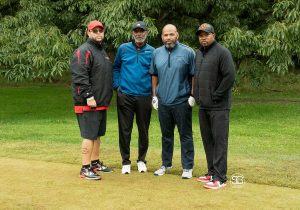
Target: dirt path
27	184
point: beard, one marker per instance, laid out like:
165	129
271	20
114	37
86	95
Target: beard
170	45
139	39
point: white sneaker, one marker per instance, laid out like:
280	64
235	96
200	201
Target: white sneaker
126	169
187	173
162	170
141	167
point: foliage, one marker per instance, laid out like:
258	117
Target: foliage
33	47
38	36
273	44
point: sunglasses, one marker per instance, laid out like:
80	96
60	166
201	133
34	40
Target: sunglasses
97	30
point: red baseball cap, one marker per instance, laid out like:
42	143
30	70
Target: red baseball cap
93	24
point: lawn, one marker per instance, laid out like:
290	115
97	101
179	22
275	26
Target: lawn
37	122
38	130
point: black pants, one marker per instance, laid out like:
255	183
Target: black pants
127	107
180	115
214	126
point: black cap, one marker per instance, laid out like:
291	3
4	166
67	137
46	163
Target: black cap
206	27
140	24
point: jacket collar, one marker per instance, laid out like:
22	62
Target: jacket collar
134	44
94	43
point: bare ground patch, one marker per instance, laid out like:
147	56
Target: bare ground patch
30	184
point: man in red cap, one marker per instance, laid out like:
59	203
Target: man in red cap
91	71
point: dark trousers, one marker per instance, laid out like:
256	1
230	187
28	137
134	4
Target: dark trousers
180	115
214	127
127	107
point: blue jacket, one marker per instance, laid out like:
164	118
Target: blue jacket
174	70
131	69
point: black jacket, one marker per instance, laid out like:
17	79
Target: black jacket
91	71
214	77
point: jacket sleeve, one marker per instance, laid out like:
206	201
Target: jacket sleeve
117	69
192	63
153	70
81	63
227	71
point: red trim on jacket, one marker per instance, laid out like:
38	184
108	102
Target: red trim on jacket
87	54
81	109
78	56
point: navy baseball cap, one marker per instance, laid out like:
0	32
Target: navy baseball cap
139	24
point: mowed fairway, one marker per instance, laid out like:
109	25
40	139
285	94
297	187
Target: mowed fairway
40	157
44	185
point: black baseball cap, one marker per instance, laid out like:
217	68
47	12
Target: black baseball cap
206	27
139	24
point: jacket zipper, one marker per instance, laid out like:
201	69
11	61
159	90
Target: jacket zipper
169	65
137	54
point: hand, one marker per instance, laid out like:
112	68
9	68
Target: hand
155	102
191	101
91	102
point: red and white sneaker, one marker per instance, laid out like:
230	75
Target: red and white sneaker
88	173
214	185
204	179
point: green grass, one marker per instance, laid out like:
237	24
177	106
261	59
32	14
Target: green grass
37	122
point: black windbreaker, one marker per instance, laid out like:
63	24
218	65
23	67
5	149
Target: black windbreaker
214	77
91	71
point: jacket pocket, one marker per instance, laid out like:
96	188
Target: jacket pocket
205	98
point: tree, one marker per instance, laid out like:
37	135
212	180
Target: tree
38	36
270	46
32	45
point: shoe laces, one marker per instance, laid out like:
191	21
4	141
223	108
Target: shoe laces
89	171
102	165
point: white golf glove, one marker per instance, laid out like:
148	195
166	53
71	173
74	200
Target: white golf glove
191	101
155	102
